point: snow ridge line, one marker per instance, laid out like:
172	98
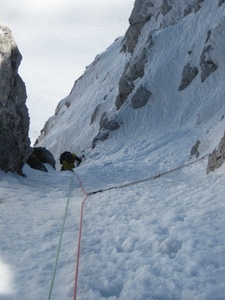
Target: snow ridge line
149	178
80	235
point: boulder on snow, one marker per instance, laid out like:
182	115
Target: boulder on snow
36	164
44	155
39	157
14	118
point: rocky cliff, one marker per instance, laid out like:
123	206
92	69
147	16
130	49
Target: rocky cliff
14	118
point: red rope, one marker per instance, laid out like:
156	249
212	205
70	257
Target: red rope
120	186
79	238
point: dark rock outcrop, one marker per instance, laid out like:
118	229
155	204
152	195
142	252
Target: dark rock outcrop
101	136
44	155
14	118
141	97
132	71
108	123
36	164
188	74
140	15
126	86
217	157
39	157
221	2
206	64
195	150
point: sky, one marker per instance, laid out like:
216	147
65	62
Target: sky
58	40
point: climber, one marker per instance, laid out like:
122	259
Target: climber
69	161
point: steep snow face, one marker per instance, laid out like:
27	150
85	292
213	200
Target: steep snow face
93	94
170	85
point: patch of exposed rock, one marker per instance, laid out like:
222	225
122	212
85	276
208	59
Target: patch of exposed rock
101	136
188	74
217	157
195	150
141	97
221	2
108	123
206	64
14	118
141	13
133	70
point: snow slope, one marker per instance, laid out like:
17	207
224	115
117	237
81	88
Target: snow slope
159	239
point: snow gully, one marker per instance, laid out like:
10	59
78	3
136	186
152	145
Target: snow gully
87	194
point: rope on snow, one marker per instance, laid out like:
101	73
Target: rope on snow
79	237
60	239
149	178
82	213
107	189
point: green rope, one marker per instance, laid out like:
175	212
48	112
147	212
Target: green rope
60	240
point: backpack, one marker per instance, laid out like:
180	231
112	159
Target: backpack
63	156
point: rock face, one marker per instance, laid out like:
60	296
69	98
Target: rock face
14	118
217	157
159	12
